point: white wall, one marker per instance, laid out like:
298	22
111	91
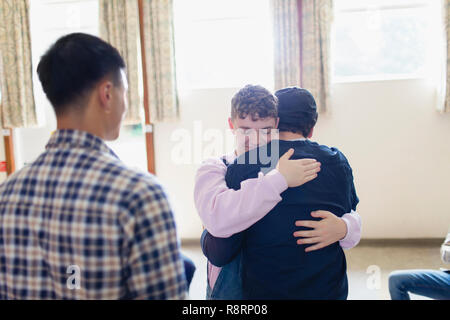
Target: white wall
399	148
395	140
208	109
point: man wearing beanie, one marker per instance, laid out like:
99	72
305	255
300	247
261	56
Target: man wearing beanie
275	264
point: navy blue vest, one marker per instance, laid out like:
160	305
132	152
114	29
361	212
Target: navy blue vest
274	266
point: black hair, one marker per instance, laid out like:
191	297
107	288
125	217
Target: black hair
73	65
297	110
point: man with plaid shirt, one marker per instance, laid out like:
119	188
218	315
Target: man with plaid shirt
77	223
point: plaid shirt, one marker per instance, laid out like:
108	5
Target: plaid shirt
78	224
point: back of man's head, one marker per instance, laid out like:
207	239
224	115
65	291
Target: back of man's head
297	110
73	65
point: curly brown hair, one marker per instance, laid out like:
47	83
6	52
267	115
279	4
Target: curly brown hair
256	101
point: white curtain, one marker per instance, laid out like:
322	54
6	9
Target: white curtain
316	18
286	43
119	25
17	107
160	60
302	31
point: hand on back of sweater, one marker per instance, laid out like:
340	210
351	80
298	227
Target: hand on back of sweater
324	232
297	172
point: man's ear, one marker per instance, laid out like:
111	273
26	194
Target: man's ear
277	122
310	133
230	124
105	93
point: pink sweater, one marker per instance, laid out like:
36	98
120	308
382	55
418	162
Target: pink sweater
225	211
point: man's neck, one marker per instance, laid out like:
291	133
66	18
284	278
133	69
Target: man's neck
67	122
285	135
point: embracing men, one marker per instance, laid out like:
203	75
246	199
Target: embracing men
254	204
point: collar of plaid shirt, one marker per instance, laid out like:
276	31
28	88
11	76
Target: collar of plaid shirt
71	138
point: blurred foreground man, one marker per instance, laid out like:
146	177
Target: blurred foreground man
77	223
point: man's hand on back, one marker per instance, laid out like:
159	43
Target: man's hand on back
297	172
325	232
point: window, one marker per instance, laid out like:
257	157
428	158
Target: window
223	43
66	16
385	39
49	20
